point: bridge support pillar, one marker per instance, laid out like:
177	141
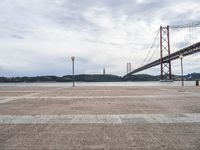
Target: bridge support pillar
165	67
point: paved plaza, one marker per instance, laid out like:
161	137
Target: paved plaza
100	118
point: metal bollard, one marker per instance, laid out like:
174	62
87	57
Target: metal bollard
197	82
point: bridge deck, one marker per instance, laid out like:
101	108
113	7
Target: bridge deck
195	48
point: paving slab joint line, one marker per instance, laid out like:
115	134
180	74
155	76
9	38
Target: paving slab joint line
102	97
9	99
16	98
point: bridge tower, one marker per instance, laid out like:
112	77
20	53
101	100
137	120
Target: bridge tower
165	51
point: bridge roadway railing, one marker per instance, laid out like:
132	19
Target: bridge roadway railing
185	52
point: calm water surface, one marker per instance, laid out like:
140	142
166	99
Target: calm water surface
69	84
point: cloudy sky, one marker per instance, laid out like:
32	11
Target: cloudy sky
38	37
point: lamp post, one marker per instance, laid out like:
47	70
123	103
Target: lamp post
181	58
73	58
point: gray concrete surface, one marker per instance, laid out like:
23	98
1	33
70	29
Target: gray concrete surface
99	117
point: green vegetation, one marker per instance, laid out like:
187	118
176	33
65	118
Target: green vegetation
95	78
68	78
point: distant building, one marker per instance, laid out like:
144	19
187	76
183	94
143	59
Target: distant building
104	71
128	67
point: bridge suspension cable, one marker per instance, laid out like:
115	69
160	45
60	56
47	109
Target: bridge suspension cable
185	32
189	25
154	52
188	34
150	49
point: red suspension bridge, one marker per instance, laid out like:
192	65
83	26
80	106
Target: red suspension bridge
165	51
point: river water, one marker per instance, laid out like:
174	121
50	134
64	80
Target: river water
69	84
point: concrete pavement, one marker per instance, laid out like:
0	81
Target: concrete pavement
99	117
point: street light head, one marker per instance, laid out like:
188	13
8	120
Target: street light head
181	56
73	58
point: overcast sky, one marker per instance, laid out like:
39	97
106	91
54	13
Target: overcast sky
38	37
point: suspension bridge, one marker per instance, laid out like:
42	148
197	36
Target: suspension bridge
165	50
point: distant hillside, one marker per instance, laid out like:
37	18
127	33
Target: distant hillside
67	78
96	78
142	77
193	76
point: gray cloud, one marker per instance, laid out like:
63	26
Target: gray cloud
38	37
